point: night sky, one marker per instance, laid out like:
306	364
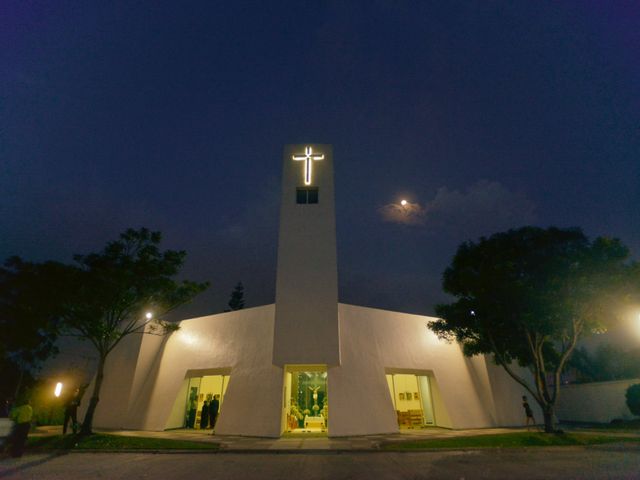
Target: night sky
173	115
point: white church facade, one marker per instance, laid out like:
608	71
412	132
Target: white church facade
306	363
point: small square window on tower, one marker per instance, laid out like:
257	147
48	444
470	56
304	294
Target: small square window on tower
306	195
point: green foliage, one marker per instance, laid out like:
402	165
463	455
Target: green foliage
606	363
236	302
115	287
528	295
102	298
512	440
112	290
31	298
633	398
295	411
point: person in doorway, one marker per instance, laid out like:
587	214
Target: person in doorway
71	412
528	412
22	416
193	405
204	415
214	408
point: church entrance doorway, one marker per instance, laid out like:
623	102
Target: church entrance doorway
199	402
412	397
305	400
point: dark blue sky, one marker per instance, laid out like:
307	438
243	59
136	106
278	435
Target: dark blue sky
172	115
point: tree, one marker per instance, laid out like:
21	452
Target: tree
607	362
29	308
236	302
633	398
112	291
527	296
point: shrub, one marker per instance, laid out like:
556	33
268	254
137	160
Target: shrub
633	398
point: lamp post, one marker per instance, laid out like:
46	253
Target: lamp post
57	391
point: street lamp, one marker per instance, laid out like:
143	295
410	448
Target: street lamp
58	389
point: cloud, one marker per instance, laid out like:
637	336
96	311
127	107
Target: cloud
484	208
408	214
485	205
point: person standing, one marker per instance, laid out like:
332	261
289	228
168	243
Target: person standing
71	412
5	408
22	416
204	415
528	412
214	408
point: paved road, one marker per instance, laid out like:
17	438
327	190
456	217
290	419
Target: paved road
611	462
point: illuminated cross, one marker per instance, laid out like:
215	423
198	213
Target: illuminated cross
308	157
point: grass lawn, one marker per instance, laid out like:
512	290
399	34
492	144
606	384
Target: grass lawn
507	440
101	441
627	425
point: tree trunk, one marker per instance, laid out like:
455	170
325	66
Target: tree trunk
87	424
549	418
19	384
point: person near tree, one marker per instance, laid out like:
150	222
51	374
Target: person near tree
71	412
528	412
22	416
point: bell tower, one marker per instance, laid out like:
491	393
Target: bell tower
306	315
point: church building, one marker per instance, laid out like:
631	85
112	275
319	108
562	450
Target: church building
306	363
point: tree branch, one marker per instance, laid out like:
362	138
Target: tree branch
511	373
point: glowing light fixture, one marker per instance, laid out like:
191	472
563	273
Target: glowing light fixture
403	202
58	389
148	315
308	158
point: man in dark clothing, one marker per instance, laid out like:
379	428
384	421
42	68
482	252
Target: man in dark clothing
71	412
214	407
528	412
204	415
5	408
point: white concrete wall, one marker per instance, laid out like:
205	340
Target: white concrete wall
594	402
466	392
374	341
507	395
120	370
306	329
240	341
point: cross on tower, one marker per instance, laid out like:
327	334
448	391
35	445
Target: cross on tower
308	157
